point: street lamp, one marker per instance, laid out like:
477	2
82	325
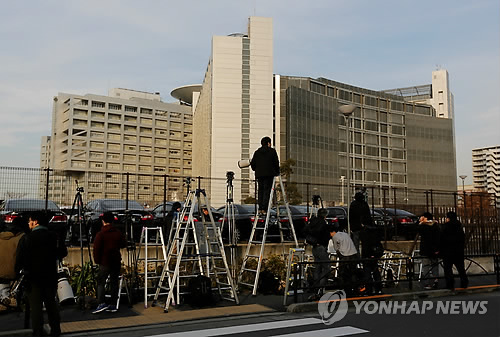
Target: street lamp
463	176
347	111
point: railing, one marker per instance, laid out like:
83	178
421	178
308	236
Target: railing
479	212
394	270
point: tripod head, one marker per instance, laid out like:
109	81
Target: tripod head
229	177
78	188
316	199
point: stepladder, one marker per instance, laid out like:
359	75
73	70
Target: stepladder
151	258
283	232
196	249
121	285
295	273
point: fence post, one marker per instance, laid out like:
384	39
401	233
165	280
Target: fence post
409	271
307	196
432	202
455	197
496	265
47	188
394	220
295	284
427	201
164	195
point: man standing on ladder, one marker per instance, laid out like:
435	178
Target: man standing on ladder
266	165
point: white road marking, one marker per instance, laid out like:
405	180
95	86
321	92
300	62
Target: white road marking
331	332
244	328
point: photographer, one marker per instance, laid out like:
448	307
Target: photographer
38	254
266	165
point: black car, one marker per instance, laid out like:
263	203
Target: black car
13	208
244	216
340	213
300	217
401	223
128	218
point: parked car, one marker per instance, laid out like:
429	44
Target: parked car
402	223
300	218
244	215
340	214
132	216
13	208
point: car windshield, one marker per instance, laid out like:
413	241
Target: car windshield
121	204
20	205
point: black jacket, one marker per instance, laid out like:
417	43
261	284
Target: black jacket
38	253
452	241
359	214
370	241
265	162
429	239
319	229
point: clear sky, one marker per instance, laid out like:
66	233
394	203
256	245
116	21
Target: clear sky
90	46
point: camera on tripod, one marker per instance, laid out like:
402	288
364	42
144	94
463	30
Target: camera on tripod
79	189
229	176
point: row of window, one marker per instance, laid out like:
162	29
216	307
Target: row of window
129	167
128	137
128	108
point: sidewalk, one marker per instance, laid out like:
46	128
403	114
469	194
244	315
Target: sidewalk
76	320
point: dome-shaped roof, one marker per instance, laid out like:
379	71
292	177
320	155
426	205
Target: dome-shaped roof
185	93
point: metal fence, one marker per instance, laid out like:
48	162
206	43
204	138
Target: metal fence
478	211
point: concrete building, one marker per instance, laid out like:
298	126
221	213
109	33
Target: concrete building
96	139
234	108
486	170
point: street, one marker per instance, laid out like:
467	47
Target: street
484	322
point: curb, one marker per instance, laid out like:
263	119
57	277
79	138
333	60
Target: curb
416	295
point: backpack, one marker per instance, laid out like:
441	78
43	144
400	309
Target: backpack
200	289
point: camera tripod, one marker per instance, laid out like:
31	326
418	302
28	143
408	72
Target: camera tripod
78	206
229	218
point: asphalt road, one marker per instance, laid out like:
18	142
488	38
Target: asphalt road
468	315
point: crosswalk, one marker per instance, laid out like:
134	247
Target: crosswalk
258	328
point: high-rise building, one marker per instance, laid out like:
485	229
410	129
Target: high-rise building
401	138
486	170
96	139
234	108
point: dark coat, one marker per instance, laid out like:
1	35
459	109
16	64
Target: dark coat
452	243
359	214
370	241
38	253
265	162
319	229
429	239
107	246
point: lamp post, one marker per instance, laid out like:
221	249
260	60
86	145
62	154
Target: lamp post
347	111
463	176
342	178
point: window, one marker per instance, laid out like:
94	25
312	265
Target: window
114	117
113	106
114	136
97	104
130	108
115	127
146	111
129	138
97	125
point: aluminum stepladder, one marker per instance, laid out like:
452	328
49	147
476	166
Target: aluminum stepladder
295	255
155	257
121	284
196	248
261	230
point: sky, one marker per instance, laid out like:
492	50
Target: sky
91	46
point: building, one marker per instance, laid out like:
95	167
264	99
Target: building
234	108
394	143
96	139
486	170
401	138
